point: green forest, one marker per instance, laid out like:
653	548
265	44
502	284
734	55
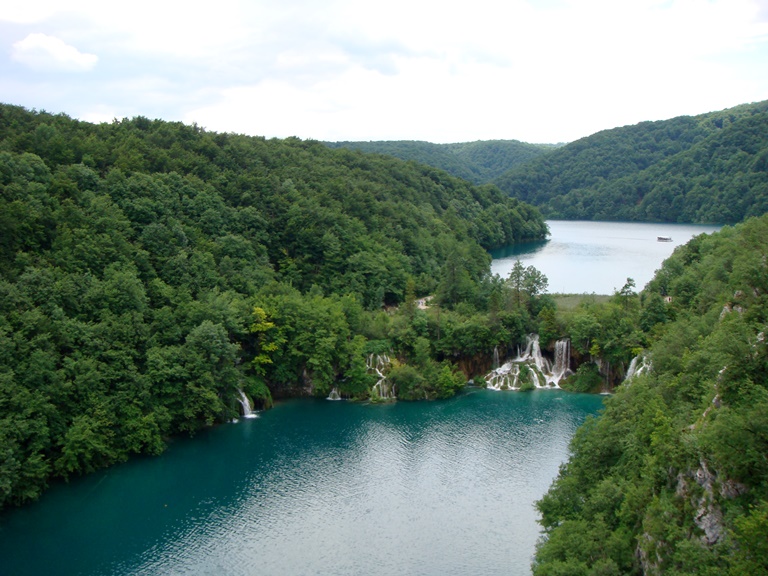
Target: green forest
150	271
711	168
672	478
478	162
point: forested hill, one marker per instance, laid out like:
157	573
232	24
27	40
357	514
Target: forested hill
478	162
711	168
151	273
672	479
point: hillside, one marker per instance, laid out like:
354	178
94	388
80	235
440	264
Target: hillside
478	162
672	478
711	168
152	274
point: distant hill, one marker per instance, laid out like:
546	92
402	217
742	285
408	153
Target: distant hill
707	168
477	162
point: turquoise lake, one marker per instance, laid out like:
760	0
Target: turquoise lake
340	488
316	487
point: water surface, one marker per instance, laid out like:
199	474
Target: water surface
585	257
316	487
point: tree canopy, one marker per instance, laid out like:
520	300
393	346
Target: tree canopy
672	477
150	271
478	162
711	168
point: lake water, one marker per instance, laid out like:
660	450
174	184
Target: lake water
584	257
316	487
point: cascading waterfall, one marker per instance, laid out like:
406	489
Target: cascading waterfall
505	377
562	360
495	357
245	403
535	378
334	395
541	372
639	365
377	363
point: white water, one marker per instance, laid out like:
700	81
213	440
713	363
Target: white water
639	365
562	360
378	363
334	395
541	372
245	404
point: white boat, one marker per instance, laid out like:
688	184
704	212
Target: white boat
664	238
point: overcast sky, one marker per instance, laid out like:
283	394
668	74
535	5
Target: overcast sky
435	70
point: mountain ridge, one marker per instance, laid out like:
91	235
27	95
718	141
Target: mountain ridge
706	168
478	162
709	168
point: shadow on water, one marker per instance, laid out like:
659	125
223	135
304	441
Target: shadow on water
518	249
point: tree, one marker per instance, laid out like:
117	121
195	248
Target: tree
626	294
261	327
534	282
517	281
209	361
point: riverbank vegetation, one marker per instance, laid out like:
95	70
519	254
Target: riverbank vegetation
149	271
672	478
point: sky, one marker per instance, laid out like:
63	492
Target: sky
540	71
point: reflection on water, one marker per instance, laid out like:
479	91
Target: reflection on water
316	487
583	257
519	250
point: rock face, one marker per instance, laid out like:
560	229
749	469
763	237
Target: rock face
704	490
650	562
708	517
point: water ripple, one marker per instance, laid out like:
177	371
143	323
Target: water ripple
322	488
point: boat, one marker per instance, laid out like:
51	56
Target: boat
664	238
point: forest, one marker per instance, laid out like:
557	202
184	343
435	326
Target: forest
710	168
672	477
478	162
707	169
151	271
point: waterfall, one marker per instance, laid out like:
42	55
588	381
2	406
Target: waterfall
245	403
562	360
504	377
639	364
334	395
495	357
531	340
377	363
543	374
532	353
632	368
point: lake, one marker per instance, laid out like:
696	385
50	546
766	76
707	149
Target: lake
316	487
584	257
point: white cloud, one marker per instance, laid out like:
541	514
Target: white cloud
99	114
43	52
439	70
